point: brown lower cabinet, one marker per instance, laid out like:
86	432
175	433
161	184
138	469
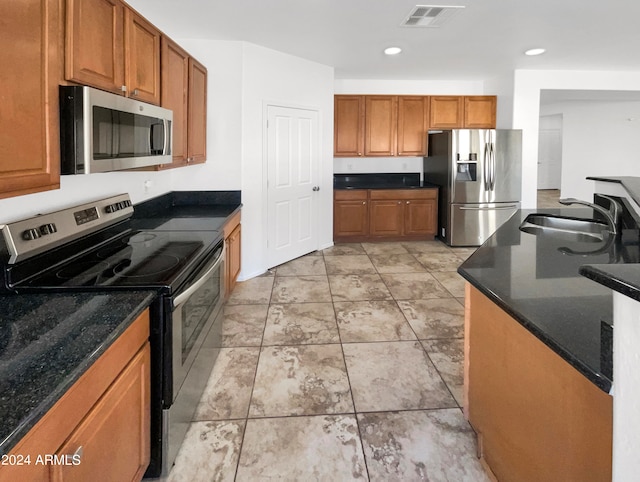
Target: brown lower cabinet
100	426
384	214
232	236
537	418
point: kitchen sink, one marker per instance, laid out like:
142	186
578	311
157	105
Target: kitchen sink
567	228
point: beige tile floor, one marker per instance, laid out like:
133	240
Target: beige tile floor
340	365
548	198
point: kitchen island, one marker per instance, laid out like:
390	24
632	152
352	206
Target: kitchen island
538	357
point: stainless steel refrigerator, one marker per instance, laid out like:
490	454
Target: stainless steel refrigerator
479	172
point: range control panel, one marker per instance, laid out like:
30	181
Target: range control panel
35	235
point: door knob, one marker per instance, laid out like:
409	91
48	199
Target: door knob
316	188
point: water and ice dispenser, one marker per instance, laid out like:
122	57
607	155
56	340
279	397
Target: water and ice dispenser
467	170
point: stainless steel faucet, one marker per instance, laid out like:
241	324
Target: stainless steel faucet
612	215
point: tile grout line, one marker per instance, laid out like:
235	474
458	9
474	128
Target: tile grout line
346	370
255	374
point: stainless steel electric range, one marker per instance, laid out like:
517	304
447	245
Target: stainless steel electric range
96	247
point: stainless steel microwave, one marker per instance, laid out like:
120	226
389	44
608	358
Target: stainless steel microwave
103	132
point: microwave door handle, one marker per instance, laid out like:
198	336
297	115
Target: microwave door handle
182	297
166	150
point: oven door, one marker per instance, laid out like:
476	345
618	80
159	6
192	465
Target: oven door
194	311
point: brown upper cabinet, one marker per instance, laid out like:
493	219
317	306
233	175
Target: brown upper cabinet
175	96
29	125
413	124
184	91
380	125
458	112
480	112
348	125
111	47
197	124
142	58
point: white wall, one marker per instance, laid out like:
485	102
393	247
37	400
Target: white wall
503	88
598	140
408	87
363	165
271	77
526	110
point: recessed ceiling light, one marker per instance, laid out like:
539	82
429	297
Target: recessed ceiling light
392	50
534	51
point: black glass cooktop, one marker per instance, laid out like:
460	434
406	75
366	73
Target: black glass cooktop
135	259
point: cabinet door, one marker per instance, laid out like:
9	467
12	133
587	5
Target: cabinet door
175	96
446	112
142	53
350	214
385	217
380	125
348	126
480	112
30	32
420	217
113	440
233	258
413	124
197	112
94	51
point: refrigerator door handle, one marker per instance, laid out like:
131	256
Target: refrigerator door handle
492	155
485	168
487	208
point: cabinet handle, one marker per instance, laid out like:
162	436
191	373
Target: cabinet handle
364	202
135	92
123	88
407	202
399	202
359	153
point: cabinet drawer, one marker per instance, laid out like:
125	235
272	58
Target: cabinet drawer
403	193
350	194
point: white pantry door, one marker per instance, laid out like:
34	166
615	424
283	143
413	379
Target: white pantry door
293	154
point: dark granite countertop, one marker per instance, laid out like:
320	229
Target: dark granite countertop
623	278
47	342
630	183
380	181
532	279
187	210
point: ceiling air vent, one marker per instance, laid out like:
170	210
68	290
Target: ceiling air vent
430	16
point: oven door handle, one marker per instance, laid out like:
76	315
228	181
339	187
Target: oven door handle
182	297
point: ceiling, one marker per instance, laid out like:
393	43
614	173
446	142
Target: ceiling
484	40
